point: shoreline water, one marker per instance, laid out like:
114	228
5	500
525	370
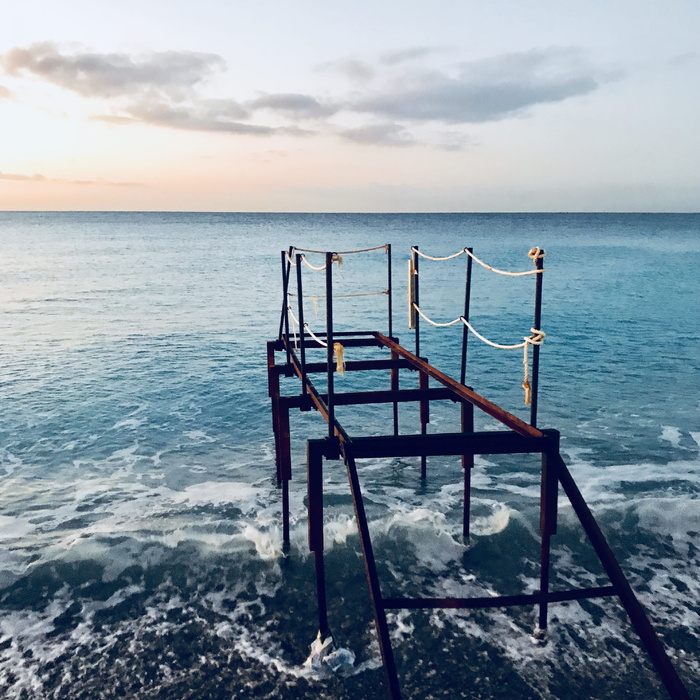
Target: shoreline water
140	533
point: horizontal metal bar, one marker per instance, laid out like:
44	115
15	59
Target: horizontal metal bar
389	396
371	397
309	342
491	442
338	334
287	370
498	601
360	365
508	419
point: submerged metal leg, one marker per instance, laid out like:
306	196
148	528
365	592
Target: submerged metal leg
467	466
424	419
285	467
394	383
548	527
273	391
380	622
314	462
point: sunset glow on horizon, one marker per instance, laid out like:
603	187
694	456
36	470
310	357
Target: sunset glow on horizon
301	106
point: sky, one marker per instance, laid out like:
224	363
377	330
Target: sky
331	105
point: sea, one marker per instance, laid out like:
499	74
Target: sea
141	550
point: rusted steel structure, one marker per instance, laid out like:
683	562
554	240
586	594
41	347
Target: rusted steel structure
516	437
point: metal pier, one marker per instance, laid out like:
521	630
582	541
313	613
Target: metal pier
515	437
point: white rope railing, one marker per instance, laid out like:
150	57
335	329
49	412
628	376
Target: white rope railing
317	268
534	254
536	338
322	343
384	247
338	349
295	324
336	258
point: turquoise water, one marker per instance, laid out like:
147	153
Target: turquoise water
139	523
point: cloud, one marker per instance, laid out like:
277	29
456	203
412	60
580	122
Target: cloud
293	105
482	91
393	57
383	134
174	73
5	94
397	96
351	68
205	115
38	177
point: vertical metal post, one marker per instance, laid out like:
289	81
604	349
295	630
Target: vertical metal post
314	466
300	307
422	378
286	274
393	373
394	383
424	419
416	299
390	292
285	468
549	488
539	262
273	390
329	341
465	330
467	466
285	287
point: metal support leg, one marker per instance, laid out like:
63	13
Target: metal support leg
380	621
273	390
467	466
285	467
548	527
394	383
314	462
424	418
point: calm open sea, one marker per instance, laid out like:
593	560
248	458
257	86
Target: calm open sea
140	540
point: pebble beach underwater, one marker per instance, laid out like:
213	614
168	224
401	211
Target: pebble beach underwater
140	523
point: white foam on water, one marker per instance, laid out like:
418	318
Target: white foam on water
696	437
433	540
13	528
671	434
600	484
492	524
338	529
677	517
217	493
199	436
268	545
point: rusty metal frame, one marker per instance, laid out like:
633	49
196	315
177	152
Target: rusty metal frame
518	437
